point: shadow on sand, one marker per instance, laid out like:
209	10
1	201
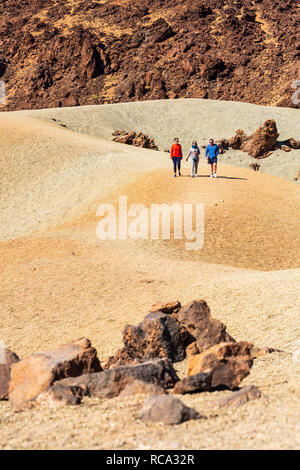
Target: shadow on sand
219	177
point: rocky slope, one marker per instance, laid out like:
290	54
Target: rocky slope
64	53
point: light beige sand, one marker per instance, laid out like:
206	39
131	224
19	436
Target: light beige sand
59	282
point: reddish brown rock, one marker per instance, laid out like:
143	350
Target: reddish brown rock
262	140
176	46
138	386
36	373
238	398
133	138
254	166
229	363
111	382
166	307
201	382
158	335
7	359
167	409
58	396
258	352
207	331
294	144
285	148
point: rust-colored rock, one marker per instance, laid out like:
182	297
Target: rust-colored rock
167	409
201	382
229	363
236	141
134	138
36	373
238	398
111	382
166	307
254	166
158	335
133	55
138	386
58	396
207	331
7	359
262	140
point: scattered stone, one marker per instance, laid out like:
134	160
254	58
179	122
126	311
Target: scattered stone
230	363
58	396
255	166
36	373
167	409
165	307
111	382
262	140
285	148
138	386
207	331
223	145
260	143
7	359
258	352
292	143
238	398
134	138
158	335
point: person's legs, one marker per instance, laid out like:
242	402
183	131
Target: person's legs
179	165
215	169
211	170
196	167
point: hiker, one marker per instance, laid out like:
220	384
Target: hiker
212	151
176	156
194	153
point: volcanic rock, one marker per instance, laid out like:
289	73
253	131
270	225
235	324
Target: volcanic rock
206	331
133	138
230	363
138	386
36	373
165	307
194	383
262	140
158	335
167	409
7	359
238	398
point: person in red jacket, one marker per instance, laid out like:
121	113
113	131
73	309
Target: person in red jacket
176	156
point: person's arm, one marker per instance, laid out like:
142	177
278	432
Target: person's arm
172	148
206	152
188	156
217	151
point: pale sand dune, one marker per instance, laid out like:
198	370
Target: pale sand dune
59	282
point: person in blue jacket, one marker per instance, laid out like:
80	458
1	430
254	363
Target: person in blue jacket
212	151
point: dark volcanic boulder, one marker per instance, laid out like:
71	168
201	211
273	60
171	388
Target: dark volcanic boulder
7	359
158	335
167	409
262	140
